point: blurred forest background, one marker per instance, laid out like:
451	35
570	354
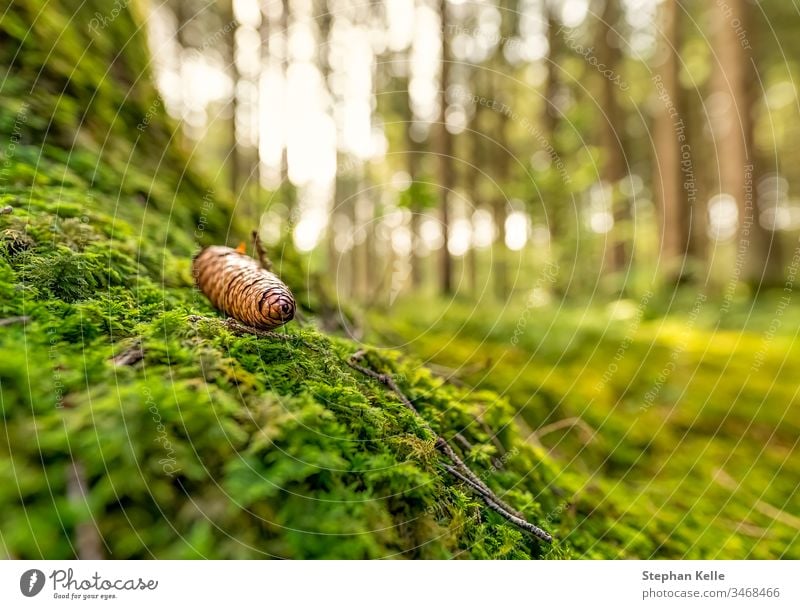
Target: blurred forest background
561	151
575	222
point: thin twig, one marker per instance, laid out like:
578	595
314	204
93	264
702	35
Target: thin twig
441	443
563	423
240	328
130	356
21	319
725	480
88	541
465	444
491	502
464	473
266	263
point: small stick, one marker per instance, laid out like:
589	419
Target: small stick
240	328
489	500
87	536
465	444
441	443
130	356
21	319
266	263
461	471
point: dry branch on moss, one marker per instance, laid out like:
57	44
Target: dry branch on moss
21	319
130	356
459	470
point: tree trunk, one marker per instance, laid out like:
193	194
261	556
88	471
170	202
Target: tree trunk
550	113
669	138
499	205
736	76
284	25
698	231
612	138
445	151
233	149
472	184
412	167
263	34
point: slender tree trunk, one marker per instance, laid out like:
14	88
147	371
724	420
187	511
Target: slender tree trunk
284	25
736	76
412	166
445	145
550	114
668	131
346	189
473	186
499	205
233	149
480	161
183	17
325	20
612	138
698	179
263	34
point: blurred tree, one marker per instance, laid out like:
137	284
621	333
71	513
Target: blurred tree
612	133
445	152
263	36
737	80
499	164
474	169
412	156
551	112
233	150
667	133
501	93
284	28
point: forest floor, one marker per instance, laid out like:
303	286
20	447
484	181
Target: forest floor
681	429
138	424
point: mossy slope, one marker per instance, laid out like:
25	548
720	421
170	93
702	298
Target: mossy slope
210	445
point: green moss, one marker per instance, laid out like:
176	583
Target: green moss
212	444
700	465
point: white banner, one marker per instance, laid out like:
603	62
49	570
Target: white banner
401	584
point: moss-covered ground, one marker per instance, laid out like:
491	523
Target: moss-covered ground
192	441
676	435
135	424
